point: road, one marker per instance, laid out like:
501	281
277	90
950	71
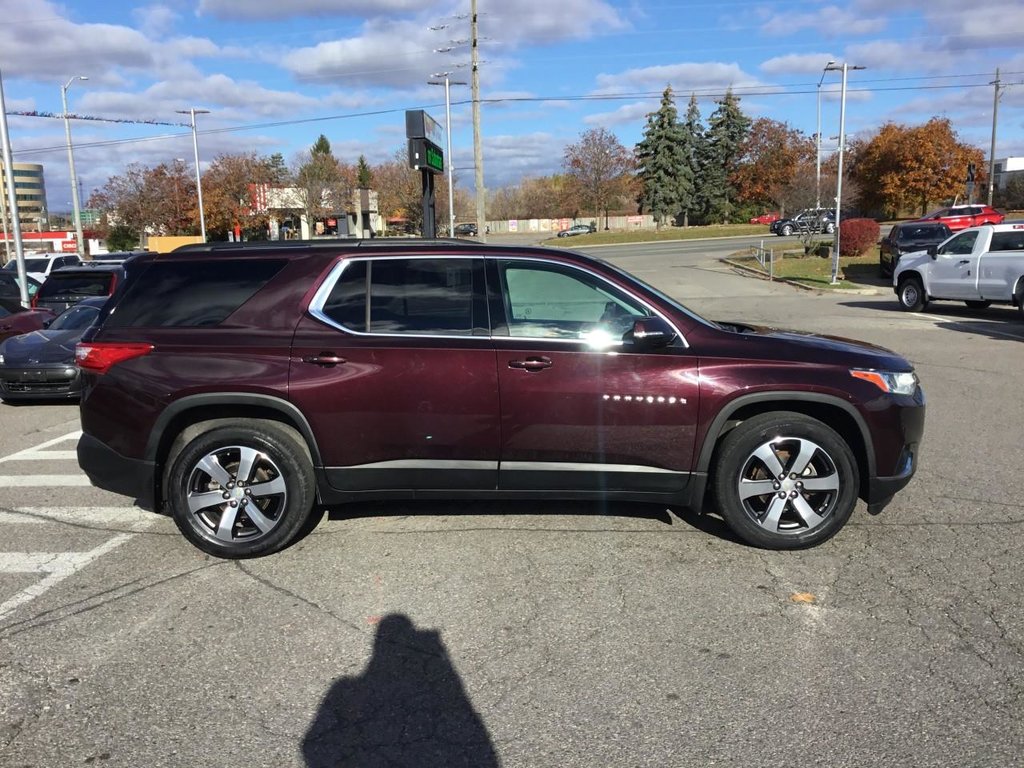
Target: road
550	634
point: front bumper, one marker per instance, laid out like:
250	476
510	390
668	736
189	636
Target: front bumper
113	472
40	382
881	488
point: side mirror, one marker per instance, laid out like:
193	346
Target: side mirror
933	251
650	333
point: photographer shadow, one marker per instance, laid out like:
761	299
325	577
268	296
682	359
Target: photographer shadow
407	708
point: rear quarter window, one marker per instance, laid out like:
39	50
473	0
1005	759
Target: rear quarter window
180	294
1007	241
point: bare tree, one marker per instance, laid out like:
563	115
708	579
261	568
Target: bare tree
600	169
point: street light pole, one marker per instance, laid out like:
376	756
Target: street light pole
448	133
839	181
75	202
12	200
817	135
478	152
192	112
992	148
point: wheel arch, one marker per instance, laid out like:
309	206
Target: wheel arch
906	275
220	408
1017	295
828	409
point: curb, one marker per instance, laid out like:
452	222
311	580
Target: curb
743	269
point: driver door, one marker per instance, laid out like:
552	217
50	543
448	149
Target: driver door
954	272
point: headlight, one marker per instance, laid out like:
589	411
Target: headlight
897	383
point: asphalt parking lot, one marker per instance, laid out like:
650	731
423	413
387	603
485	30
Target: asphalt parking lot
551	634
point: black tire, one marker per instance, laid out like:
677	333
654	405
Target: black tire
757	452
786	230
978	304
830	228
266	508
911	294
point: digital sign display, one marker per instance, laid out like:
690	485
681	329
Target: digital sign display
425	155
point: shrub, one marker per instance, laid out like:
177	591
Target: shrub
857	235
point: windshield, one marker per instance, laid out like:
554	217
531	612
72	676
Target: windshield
75	318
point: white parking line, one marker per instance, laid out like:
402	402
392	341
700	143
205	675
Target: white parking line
35	455
35	450
131	518
32	481
969	325
57	565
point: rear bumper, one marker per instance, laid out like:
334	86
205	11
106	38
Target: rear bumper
113	472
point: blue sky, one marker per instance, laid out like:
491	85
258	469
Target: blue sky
274	74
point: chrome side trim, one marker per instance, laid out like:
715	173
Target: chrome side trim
582	466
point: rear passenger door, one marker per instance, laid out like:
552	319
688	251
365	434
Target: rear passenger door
394	368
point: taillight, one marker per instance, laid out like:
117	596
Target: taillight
98	357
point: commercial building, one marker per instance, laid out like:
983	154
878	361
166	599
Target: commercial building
30	192
1006	169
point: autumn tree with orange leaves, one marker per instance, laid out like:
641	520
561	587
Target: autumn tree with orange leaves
910	168
773	158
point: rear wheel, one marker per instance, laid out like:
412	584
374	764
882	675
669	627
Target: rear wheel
911	294
243	490
830	228
786	230
785	480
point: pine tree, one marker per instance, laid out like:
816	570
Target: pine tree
727	128
694	140
664	169
322	146
364	176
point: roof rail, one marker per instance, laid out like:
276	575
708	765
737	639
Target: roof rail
323	244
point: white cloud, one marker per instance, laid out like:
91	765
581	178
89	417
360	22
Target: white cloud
275	9
627	114
828	21
683	77
797	64
155	20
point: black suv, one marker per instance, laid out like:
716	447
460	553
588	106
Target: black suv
908	237
242	386
67	286
813	220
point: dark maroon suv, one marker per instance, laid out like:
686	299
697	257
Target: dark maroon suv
240	386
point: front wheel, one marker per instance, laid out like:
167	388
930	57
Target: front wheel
785	480
830	228
911	294
242	490
786	231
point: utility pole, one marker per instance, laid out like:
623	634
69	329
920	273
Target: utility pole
817	138
12	200
992	148
478	154
80	238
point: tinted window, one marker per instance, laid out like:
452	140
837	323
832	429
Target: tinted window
409	296
78	286
191	293
1008	241
549	301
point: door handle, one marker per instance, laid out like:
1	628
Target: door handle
964	261
531	363
325	359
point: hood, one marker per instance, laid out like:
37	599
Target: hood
800	347
41	347
912	260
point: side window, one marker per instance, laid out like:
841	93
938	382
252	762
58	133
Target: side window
960	245
1007	241
550	301
417	296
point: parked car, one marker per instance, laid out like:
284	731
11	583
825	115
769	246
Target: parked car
41	265
958	217
239	385
807	220
10	287
70	285
465	230
765	218
41	364
978	266
908	237
15	319
578	229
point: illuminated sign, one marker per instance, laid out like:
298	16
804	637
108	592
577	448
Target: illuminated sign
425	155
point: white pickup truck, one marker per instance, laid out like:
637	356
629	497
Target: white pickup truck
978	266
